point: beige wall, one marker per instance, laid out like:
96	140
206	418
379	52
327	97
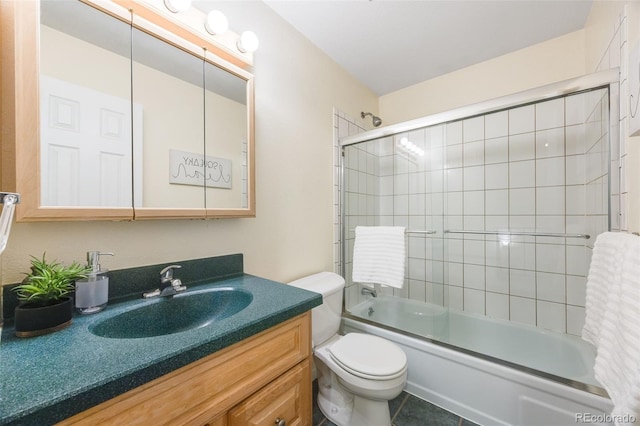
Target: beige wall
555	60
296	89
599	30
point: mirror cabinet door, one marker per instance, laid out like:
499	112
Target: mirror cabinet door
226	140
168	105
85	107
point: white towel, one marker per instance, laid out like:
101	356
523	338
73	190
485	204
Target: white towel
604	271
612	320
379	255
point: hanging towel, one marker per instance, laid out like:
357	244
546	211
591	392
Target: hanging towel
605	270
612	320
379	255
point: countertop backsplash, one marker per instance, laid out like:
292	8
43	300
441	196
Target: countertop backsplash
130	283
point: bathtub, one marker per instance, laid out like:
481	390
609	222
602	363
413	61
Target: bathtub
489	371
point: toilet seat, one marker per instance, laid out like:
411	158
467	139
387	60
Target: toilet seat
369	357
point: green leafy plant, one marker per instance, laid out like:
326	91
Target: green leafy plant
48	282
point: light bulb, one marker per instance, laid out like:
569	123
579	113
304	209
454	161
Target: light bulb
248	42
176	6
216	22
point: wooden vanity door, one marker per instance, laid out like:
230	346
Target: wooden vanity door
284	402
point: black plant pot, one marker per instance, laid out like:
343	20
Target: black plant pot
33	321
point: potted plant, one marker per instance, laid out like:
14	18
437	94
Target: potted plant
45	305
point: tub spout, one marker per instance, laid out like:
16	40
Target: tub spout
370	291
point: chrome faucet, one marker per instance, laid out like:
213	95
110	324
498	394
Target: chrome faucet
370	291
168	285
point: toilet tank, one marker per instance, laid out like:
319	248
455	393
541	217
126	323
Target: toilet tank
325	319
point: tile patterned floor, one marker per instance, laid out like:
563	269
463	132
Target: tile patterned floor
406	410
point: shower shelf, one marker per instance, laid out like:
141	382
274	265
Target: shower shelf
526	234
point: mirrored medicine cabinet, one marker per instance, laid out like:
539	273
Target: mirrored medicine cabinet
116	115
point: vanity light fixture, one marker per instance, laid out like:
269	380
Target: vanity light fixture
177	6
248	42
213	23
216	23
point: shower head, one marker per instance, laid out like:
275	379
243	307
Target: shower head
376	120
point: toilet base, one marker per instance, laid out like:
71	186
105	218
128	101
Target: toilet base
338	415
349	400
360	412
344	407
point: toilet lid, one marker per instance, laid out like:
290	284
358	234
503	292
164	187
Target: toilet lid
368	356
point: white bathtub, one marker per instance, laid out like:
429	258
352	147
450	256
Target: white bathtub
489	371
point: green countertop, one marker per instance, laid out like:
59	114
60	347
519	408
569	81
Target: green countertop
49	378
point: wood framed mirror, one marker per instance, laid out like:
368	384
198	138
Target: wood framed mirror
112	111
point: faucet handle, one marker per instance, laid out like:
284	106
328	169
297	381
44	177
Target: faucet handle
167	273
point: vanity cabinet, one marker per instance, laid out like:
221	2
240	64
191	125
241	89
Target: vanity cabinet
280	401
262	380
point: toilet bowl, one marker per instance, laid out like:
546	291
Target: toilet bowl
357	373
357	393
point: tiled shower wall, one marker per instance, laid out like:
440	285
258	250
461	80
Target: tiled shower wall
616	55
537	168
343	126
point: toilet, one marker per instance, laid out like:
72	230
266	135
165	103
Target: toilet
357	373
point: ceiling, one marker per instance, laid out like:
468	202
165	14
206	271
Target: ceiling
391	44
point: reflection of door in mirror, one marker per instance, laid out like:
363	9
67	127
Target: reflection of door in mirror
70	146
85	107
226	139
168	84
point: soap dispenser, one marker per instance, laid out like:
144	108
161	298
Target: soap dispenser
92	293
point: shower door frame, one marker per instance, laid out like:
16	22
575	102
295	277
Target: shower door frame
609	78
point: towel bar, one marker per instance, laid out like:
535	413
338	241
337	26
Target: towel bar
527	234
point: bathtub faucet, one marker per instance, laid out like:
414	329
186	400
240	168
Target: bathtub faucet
370	291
